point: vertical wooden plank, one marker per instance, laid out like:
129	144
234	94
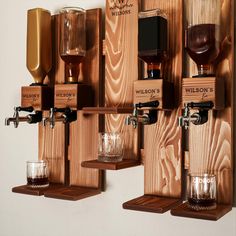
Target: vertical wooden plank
211	144
52	149
162	141
52	141
121	68
84	131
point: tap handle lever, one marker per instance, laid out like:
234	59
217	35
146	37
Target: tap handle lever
147	104
26	109
201	105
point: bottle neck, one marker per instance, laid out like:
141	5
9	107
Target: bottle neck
154	70
205	70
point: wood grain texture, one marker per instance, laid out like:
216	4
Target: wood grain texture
121	68
184	211
52	150
202	90
39	97
84	131
210	145
151	204
162	146
152	90
52	141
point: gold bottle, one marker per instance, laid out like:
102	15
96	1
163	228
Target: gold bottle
39	45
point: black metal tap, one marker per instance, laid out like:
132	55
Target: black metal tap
197	118
146	118
67	115
31	118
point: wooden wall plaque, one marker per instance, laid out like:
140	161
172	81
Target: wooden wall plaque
162	141
216	136
83	132
121	68
211	146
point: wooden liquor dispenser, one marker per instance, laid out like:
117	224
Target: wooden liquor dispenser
39	60
154	90
39	97
79	140
74	96
153	50
212	95
161	140
204	89
66	145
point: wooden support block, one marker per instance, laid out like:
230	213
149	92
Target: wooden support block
151	203
204	89
212	145
184	211
152	90
121	68
163	140
75	96
125	163
39	97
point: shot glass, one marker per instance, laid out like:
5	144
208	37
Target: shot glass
110	147
202	191
37	174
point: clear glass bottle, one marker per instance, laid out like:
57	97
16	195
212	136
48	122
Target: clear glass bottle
72	40
202	33
153	41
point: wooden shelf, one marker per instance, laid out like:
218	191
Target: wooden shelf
183	211
59	191
72	193
96	164
107	110
151	203
24	189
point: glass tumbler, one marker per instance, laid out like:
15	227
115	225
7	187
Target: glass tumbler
110	147
202	191
37	174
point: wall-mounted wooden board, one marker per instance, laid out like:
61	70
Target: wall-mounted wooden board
162	146
121	67
82	132
211	144
51	142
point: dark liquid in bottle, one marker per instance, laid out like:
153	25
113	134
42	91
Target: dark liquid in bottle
152	43
202	43
38	181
